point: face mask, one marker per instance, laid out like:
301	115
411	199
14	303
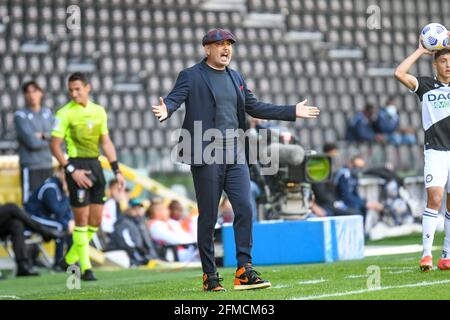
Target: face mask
391	110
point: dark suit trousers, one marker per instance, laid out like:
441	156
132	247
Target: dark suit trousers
11	223
209	182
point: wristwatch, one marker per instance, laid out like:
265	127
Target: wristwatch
69	168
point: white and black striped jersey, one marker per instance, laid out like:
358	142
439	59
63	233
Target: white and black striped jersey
435	98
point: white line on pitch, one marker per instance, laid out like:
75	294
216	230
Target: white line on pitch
312	281
355	276
373	251
393	271
340	294
399	271
10	297
280	286
399	268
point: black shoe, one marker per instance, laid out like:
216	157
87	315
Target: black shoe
26	272
247	278
212	282
88	275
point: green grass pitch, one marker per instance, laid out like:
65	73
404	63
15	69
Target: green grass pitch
400	279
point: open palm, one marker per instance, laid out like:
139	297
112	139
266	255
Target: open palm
304	111
160	110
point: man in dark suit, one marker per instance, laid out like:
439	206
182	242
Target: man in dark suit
216	99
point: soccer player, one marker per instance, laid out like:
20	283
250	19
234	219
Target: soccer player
82	124
434	93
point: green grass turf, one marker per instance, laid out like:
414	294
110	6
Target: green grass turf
288	281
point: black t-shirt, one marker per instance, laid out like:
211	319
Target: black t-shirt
226	99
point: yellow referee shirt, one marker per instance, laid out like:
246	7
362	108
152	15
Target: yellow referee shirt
81	128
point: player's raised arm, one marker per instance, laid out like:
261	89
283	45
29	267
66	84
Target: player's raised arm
402	71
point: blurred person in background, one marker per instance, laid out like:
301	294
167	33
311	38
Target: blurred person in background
388	123
176	210
166	231
361	126
14	222
188	221
33	125
130	234
49	205
116	204
226	214
326	201
346	182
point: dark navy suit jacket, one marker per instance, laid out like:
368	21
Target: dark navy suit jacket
194	88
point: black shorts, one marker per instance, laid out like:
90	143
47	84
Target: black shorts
80	197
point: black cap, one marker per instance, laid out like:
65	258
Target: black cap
217	34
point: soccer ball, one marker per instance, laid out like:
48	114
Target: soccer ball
434	37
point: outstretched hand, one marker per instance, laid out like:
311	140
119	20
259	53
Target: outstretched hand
160	110
307	112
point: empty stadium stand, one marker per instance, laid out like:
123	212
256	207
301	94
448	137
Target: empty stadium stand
324	50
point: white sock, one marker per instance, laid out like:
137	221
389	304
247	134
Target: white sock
446	250
429	224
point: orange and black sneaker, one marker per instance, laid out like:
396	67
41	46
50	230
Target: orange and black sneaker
212	282
247	278
426	264
444	264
